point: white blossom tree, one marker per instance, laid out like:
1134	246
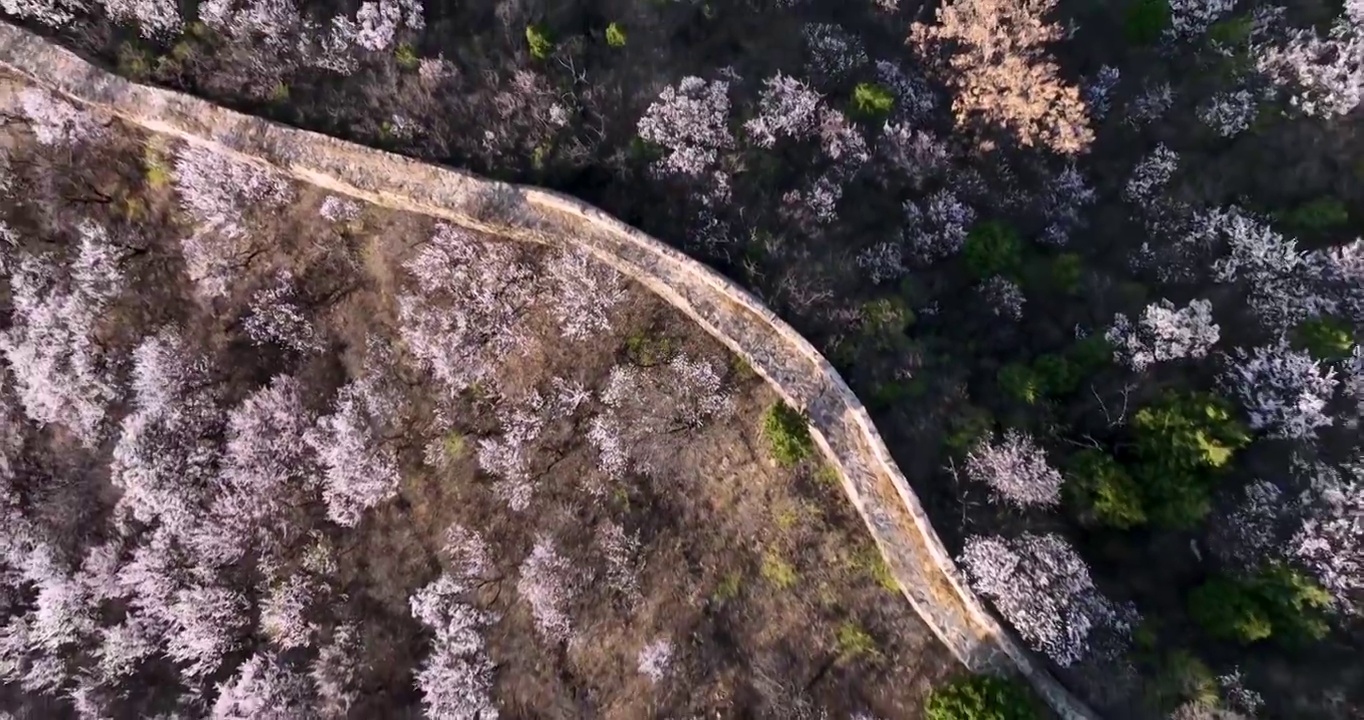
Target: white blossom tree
276	318
646	407
217	192
1230	113
359	470
1164	333
690	122
60	371
162	463
264	688
467	313
1284	391
1016	470
456	678
655	659
547	583
585	292
1044	589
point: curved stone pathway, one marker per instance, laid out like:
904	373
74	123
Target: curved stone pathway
840	424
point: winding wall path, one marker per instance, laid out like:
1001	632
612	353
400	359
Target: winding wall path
841	425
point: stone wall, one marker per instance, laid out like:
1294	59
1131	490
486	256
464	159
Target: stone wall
840	424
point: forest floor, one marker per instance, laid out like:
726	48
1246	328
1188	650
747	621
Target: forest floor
758	578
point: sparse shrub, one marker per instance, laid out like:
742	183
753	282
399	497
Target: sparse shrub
729	587
1183	678
1066	271
1229	610
981	697
1146	21
647	351
406	56
993	248
1104	490
1320	215
1278	601
854	641
967	426
1326	338
871	100
1056	375
788	434
615	35
538	39
1090	354
1183	442
1019	382
778	572
886	318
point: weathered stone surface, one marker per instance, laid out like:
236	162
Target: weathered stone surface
840	424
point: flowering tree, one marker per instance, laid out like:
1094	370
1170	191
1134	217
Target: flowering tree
165	470
335	672
937	227
585	291
832	52
621	551
1003	74
1164	333
154	18
209	622
1043	588
1328	71
1151	174
1191	18
276	318
645	407
690	121
1230	113
217	192
1330	540
507	455
1016	470
468	311
547	582
787	108
285	609
655	659
359	470
1065	198
1284	391
264	688
1004	297
60	371
267	470
1283	284
456	678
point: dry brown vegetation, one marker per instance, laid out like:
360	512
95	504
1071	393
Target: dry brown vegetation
760	578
